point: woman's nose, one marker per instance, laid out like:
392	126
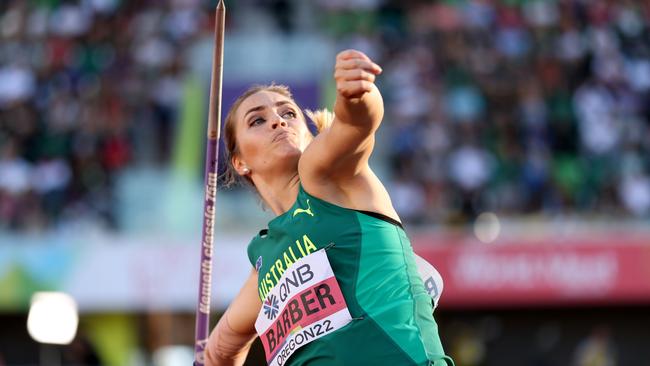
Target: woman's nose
278	121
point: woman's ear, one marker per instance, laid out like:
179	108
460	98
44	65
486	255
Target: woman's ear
240	166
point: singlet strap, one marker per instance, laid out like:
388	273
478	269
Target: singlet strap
383	217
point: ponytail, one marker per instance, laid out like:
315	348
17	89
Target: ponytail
322	118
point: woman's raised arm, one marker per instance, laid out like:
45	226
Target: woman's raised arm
343	150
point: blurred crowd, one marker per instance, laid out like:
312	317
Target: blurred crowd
514	107
86	89
518	107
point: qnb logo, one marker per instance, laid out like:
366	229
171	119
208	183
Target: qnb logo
271	307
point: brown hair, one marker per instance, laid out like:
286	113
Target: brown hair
322	119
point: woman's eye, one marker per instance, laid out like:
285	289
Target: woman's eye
256	121
289	114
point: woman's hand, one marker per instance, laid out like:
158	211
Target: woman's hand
358	101
355	74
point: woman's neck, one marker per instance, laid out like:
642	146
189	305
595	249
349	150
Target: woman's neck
279	193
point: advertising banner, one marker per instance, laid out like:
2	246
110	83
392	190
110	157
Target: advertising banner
574	272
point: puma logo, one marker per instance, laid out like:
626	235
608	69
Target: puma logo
302	210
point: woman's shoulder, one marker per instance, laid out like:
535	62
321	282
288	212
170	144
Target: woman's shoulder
363	192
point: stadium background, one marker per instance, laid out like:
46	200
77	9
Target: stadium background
516	147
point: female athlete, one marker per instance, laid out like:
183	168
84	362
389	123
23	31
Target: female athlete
334	278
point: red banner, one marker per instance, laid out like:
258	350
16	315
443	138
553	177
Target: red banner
579	271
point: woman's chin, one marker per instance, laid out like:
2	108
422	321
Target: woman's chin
288	150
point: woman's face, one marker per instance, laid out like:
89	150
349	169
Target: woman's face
271	134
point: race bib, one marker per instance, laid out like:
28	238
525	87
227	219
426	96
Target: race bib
304	305
433	283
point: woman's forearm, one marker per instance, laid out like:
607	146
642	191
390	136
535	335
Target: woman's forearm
226	347
365	112
234	333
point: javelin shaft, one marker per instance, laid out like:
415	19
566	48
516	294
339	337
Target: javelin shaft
211	169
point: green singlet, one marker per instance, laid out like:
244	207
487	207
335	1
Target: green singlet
373	262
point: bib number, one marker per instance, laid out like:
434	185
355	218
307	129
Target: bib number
305	304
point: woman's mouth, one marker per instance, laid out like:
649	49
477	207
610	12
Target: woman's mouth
281	136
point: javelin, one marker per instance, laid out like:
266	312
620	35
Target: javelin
211	169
